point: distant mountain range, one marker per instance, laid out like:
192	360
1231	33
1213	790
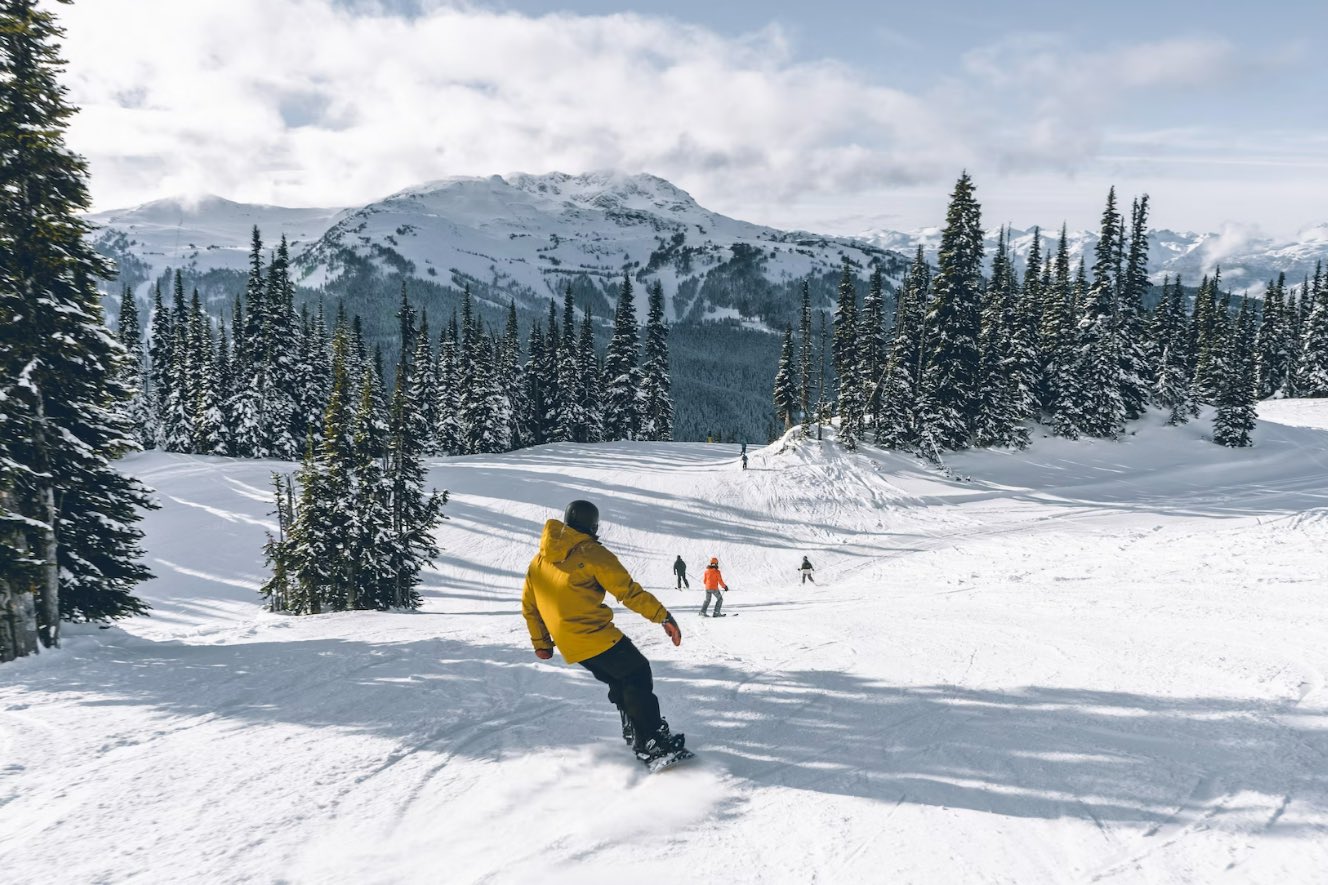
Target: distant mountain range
728	284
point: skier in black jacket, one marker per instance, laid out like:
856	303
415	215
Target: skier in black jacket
680	572
806	569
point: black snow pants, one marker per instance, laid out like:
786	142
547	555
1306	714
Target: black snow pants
631	686
682	580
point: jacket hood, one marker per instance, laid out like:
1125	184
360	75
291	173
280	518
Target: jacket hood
558	540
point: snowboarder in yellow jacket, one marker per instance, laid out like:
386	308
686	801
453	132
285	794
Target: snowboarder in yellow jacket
563	604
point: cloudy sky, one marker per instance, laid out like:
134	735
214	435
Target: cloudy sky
834	116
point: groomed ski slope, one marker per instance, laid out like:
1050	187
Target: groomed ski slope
1088	662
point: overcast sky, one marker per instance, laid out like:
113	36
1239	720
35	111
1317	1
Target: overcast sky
831	116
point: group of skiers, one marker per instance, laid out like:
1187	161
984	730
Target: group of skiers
562	601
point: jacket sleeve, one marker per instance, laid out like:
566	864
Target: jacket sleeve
611	575
539	634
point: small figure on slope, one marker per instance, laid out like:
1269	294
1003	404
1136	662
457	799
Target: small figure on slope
680	572
713	580
806	569
744	460
563	604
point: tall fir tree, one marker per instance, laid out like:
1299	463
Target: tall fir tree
805	377
1136	371
136	412
897	423
1312	376
786	388
657	392
622	400
1095	404
1274	343
950	385
1233	423
69	515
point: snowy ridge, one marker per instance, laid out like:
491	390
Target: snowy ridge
1090	661
1248	262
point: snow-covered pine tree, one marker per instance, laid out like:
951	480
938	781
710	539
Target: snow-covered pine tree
951	388
1274	344
534	388
1096	402
279	378
557	399
805	379
423	383
1312	377
60	367
371	582
223	373
1031	300
846	360
897	423
875	353
786	389
1056	336
656	387
447	399
249	329
413	511
161	338
1137	373
209	421
1210	325
591	371
570	412
622	417
1233	424
136	411
510	378
176	432
1170	336
1000	416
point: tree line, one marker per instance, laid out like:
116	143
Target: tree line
976	360
256	387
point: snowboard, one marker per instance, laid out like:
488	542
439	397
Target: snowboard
664	763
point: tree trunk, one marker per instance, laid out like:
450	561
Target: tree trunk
48	589
18	611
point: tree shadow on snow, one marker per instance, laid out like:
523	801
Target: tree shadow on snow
1036	752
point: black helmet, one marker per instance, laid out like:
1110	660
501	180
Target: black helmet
582	516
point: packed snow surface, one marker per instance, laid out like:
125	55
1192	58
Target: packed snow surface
1085	662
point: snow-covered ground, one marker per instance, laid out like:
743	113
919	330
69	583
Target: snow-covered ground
1086	662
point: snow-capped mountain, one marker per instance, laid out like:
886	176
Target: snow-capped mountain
523	236
1247	260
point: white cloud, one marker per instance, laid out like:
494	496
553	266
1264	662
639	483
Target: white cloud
315	102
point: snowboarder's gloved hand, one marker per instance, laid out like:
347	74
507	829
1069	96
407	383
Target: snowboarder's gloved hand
675	632
543	653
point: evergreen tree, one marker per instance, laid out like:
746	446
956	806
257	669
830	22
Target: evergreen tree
846	360
621	402
1209	340
136	411
590	373
176	430
1095	403
657	393
161	338
1274	344
1312	378
1136	371
1056	336
1172	389
901	390
805	385
557	398
413	512
448	396
1233	424
874	352
786	390
209	421
69	516
999	419
951	385
571	424
511	380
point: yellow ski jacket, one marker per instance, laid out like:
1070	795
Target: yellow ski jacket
563	596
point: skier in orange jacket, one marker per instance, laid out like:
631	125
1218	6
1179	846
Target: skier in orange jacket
713	580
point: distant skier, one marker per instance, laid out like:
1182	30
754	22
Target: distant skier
680	572
744	460
806	569
563	604
713	580
744	448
